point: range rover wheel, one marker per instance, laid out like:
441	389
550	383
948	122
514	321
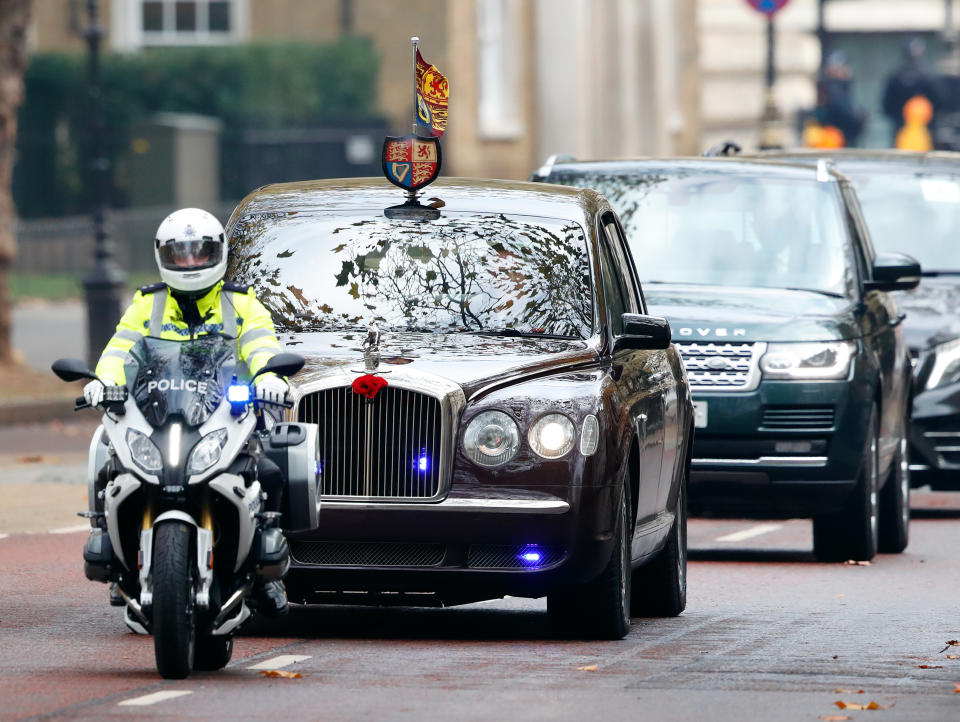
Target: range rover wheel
852	532
599	609
660	587
895	503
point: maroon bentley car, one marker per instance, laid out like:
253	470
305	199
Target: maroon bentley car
498	415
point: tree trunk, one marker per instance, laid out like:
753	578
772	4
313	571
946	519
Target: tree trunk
14	16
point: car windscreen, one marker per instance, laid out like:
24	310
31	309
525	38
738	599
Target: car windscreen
460	272
180	377
726	229
915	212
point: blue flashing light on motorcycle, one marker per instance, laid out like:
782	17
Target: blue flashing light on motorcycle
239	396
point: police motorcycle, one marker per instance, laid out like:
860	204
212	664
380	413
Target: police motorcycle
175	501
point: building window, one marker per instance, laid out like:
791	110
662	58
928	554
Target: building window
499	68
186	22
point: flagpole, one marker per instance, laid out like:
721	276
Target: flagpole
415	41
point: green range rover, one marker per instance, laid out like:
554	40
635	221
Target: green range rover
794	350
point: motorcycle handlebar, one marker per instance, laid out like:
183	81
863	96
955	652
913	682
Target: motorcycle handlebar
80	403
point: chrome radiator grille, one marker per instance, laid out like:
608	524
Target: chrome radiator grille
722	366
389	447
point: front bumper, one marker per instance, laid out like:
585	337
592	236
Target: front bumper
935	438
787	449
466	548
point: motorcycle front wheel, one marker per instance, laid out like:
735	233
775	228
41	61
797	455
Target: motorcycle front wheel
174	621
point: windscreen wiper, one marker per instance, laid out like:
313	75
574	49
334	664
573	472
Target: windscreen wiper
832	294
516	333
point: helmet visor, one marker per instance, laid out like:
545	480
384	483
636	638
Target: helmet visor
190	255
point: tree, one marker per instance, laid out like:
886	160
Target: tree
14	16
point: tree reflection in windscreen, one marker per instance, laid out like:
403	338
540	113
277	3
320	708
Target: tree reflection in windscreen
726	229
462	272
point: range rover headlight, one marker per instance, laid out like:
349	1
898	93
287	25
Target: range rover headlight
552	436
144	452
491	438
946	365
811	361
206	453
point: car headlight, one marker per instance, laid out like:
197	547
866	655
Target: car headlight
946	365
552	436
491	438
820	360
144	452
206	453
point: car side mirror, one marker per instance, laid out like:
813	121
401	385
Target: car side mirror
72	369
643	333
894	272
282	364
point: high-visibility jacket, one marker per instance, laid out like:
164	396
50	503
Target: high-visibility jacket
227	308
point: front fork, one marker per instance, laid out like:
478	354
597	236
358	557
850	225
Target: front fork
203	544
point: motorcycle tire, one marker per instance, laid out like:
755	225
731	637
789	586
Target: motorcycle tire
213	653
174	620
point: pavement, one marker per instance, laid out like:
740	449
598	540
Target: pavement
44	331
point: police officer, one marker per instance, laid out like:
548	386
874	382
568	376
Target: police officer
193	300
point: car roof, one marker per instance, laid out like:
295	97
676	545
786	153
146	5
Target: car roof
762	167
454	194
874	157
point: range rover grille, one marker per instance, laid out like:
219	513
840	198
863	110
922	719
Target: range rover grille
798	417
721	366
388	447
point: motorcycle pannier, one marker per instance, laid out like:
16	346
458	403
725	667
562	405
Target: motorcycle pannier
294	448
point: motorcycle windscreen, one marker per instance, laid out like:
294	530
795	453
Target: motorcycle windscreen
186	378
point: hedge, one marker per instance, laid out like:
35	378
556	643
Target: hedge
250	86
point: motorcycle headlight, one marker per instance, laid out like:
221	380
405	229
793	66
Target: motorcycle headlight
946	365
144	452
799	361
491	438
552	436
206	453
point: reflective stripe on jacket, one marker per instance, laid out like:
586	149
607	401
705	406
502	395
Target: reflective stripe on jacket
156	313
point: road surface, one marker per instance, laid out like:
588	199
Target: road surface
768	634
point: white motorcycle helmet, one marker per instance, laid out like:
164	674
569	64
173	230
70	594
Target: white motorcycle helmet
191	251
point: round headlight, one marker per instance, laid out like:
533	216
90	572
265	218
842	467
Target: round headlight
552	436
491	438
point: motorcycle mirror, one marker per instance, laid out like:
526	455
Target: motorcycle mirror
283	364
72	369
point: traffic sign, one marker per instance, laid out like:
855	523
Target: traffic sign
768	7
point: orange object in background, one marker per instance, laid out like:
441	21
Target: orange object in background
823	136
915	133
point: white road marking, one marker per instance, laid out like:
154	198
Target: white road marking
4	536
749	533
149	699
284	660
70	529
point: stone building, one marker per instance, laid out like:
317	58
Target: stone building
528	78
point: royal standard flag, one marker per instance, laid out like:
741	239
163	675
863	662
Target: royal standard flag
432	95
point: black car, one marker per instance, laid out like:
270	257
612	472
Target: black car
911	202
497	413
793	347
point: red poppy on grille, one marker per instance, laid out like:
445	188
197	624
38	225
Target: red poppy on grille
368	385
